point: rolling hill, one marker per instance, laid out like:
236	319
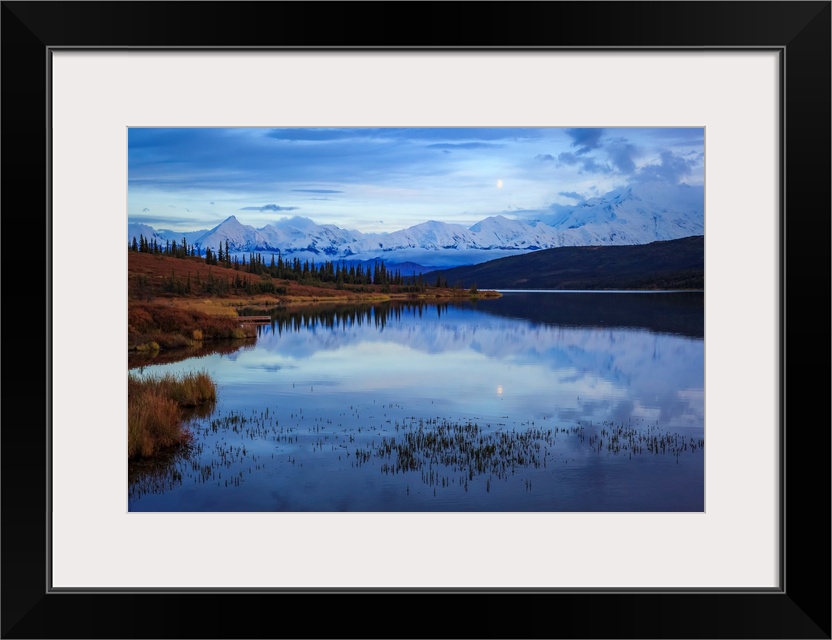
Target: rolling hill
667	264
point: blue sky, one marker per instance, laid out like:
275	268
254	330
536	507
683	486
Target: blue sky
377	180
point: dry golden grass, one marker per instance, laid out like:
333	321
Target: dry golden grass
171	326
159	320
154	423
154	410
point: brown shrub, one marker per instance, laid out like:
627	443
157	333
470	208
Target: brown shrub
139	320
154	410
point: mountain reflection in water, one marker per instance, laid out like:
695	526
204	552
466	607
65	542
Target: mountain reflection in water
602	395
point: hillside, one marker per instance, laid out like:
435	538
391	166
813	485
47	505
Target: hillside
668	264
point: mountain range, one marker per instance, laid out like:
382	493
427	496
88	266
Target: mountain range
637	214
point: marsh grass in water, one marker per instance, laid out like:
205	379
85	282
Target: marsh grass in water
403	407
440	454
156	409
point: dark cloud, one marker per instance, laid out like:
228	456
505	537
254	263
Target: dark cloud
585	139
269	207
316	191
671	169
622	154
587	164
544	157
571	194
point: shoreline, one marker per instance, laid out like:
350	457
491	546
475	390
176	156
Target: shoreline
164	323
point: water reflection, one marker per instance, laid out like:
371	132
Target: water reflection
330	409
138	359
679	313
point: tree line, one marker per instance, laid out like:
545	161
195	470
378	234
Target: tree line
306	271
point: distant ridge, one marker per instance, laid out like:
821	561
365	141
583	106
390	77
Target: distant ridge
628	216
666	264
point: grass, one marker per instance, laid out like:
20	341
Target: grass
170	327
155	410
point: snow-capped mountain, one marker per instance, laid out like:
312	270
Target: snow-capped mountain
138	230
238	236
633	215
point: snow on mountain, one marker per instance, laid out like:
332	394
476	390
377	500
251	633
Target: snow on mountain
238	236
189	236
138	231
637	214
426	235
304	235
498	232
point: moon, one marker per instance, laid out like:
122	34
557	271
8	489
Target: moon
499	184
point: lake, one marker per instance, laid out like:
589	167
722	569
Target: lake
533	402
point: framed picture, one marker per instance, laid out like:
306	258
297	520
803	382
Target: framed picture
753	77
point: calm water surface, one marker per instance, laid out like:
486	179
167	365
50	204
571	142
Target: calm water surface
534	402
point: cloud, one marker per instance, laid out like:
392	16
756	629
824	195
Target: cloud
571	194
671	169
588	164
464	145
585	139
313	135
622	154
316	191
268	207
544	157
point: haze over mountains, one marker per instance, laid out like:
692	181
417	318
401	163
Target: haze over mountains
637	214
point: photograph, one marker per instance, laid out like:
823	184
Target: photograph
416	319
412	308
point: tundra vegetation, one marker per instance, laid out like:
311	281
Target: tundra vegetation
157	410
177	298
181	301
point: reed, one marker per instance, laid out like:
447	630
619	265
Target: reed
155	410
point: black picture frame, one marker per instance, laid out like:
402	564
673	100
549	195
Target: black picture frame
799	608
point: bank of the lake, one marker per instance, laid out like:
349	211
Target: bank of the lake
530	402
169	309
